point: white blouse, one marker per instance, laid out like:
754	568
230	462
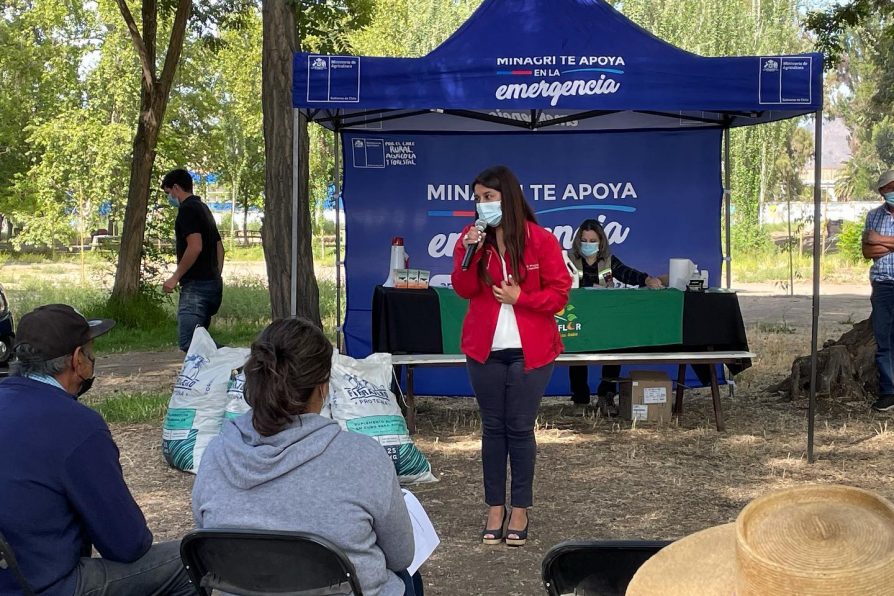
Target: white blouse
506	334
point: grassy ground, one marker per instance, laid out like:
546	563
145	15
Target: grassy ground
148	324
773	267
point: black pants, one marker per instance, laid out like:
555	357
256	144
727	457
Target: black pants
580	389
509	399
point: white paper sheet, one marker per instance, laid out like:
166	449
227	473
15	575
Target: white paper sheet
424	534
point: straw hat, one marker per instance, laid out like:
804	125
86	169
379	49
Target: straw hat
815	539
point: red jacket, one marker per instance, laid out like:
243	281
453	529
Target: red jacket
544	292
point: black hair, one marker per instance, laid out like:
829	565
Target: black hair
180	177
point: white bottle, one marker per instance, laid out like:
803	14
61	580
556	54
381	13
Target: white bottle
572	270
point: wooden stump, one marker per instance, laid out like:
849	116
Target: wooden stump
845	368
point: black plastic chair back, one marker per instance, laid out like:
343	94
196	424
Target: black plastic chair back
9	564
595	567
260	562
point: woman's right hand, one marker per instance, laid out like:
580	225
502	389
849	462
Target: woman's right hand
473	236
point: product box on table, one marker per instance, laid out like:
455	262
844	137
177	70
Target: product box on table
647	396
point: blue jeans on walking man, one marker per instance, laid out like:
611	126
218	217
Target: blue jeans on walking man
199	301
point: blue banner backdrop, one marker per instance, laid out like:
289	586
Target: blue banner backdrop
658	194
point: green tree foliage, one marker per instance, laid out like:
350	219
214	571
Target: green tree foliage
39	63
75	160
239	137
766	159
858	38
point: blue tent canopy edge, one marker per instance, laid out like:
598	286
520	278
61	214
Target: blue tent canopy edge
522	65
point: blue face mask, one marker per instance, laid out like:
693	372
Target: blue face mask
172	201
492	213
588	249
889	198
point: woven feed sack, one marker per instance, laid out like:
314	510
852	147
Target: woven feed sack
196	410
236	404
360	400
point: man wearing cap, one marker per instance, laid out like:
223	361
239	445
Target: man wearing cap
878	245
200	258
62	491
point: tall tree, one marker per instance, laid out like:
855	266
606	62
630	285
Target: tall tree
858	40
319	26
155	90
39	64
735	27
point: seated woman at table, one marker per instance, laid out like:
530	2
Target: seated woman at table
282	466
597	266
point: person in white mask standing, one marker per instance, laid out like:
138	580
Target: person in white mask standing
598	267
878	245
515	283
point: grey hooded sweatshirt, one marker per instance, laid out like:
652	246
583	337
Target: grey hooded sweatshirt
310	477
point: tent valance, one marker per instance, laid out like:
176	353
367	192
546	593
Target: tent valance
532	64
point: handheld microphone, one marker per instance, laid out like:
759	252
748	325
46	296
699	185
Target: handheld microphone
470	249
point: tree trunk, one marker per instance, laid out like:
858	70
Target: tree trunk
845	368
278	47
154	96
127	275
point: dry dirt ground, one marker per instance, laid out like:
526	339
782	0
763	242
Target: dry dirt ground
596	478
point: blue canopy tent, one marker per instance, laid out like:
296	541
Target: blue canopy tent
519	67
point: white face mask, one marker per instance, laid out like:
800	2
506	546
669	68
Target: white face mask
491	212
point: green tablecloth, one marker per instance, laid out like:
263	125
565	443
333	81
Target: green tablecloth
593	320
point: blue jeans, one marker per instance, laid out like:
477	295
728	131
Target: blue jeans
199	301
159	572
412	583
883	328
509	399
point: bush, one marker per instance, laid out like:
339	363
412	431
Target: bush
850	241
751	240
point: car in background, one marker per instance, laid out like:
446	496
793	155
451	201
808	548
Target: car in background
7	333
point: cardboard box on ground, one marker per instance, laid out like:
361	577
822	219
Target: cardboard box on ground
646	396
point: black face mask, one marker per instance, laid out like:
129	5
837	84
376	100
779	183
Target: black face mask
86	384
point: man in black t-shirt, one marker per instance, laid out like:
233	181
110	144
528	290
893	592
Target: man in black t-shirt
200	257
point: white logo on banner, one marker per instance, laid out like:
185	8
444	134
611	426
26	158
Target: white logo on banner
771	66
318	64
556	67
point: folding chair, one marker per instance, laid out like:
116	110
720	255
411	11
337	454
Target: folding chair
595	567
8	563
261	562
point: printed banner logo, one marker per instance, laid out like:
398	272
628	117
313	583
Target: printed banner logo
565	72
568	323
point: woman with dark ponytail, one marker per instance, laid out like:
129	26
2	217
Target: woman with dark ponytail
282	466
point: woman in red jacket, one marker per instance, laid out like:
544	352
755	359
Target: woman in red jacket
516	282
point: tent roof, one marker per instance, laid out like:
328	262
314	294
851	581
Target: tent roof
519	65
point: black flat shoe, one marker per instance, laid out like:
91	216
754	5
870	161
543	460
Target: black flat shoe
521	536
496	533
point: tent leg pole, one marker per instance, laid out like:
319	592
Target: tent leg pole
336	176
791	265
817	240
727	173
293	289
